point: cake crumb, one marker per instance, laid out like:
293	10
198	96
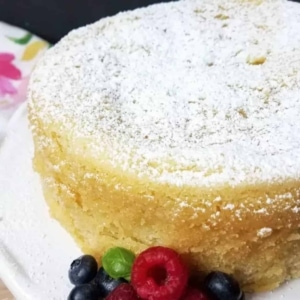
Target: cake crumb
256	59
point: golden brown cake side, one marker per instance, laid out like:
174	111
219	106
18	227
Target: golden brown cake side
252	232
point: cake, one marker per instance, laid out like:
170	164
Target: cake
178	125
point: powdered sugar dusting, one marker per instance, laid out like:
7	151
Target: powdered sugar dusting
191	92
264	232
229	206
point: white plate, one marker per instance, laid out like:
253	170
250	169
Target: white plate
35	252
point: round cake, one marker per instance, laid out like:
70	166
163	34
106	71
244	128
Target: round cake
178	125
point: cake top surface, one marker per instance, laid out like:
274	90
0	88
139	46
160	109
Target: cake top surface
195	92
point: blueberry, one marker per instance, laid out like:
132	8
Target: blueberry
222	286
84	292
105	283
83	269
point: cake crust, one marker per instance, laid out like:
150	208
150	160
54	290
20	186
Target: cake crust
177	125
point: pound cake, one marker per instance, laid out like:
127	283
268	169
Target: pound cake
178	125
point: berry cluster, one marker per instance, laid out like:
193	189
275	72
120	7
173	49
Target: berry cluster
157	273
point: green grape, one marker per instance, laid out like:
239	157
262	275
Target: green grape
117	262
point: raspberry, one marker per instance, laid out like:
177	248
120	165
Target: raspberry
193	294
158	273
123	292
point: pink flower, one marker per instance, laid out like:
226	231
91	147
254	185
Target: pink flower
8	72
20	95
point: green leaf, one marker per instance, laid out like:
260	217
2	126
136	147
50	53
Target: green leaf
23	40
117	262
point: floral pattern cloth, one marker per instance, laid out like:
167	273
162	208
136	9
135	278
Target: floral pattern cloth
19	52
